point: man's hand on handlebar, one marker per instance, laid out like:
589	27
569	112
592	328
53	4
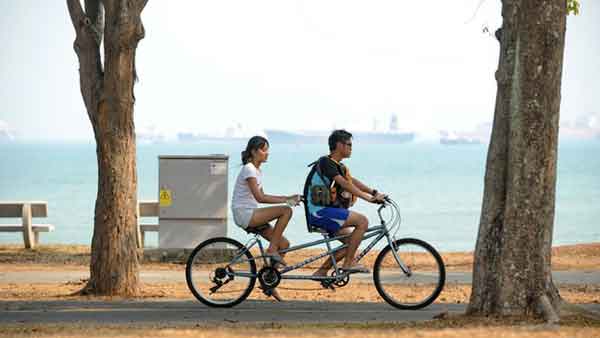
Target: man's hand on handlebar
378	198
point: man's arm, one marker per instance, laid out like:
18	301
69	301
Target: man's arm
353	189
360	185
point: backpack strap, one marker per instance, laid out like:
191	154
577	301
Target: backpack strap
317	167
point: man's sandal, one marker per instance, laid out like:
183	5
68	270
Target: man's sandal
358	268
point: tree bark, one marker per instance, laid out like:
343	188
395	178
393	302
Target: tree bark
511	272
107	91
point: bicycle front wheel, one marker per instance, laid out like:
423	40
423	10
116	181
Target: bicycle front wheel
220	272
417	281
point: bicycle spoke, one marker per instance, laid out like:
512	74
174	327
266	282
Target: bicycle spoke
419	285
217	275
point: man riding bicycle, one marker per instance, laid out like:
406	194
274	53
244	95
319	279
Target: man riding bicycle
329	192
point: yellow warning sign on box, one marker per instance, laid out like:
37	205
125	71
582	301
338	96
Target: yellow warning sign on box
166	198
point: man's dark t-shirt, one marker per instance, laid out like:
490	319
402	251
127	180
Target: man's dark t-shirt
330	169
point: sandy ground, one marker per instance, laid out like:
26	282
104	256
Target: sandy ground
446	328
289	290
66	257
15	258
584	257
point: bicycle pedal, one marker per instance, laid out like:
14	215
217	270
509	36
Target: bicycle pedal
266	292
327	285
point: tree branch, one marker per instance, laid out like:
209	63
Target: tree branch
95	13
138	5
142	5
76	12
87	47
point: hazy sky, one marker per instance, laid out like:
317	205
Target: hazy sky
207	65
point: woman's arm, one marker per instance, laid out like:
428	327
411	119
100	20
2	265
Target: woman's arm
261	197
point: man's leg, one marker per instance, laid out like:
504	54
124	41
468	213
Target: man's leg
324	268
360	224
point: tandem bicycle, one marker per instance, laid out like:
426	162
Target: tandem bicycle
408	273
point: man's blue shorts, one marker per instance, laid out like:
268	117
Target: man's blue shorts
329	219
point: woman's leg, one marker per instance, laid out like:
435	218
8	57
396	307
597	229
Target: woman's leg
273	234
265	215
268	235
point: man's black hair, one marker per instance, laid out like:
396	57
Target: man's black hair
336	136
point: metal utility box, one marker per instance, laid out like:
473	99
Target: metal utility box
192	200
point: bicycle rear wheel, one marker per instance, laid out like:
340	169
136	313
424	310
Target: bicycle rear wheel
415	288
220	272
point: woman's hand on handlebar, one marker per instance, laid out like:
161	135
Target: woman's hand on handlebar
293	200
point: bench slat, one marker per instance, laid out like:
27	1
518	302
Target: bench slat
149	208
14	208
19	227
149	227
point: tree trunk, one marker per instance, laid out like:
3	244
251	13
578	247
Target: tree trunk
511	272
107	92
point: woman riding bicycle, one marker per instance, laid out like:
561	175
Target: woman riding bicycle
248	193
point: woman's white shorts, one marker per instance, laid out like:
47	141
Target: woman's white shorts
242	216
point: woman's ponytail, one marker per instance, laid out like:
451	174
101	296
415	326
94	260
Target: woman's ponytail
245	157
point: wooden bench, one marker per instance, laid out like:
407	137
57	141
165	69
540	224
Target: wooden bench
25	211
146	209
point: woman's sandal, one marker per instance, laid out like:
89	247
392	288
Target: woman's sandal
274	259
275	294
272	293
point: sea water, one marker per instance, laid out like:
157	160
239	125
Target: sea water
439	188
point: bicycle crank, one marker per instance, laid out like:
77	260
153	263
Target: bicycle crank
269	278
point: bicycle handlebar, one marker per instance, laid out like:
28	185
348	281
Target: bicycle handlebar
386	200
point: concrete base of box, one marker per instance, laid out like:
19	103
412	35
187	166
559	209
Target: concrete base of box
187	234
166	255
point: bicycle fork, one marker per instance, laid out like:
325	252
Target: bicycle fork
401	264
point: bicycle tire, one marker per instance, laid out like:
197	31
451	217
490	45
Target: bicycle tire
382	286
198	251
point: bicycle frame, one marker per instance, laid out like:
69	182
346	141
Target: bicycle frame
380	231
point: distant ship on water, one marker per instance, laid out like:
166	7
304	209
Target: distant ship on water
392	136
6	134
237	133
451	138
281	136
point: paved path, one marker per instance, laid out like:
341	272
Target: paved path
191	311
177	311
559	277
